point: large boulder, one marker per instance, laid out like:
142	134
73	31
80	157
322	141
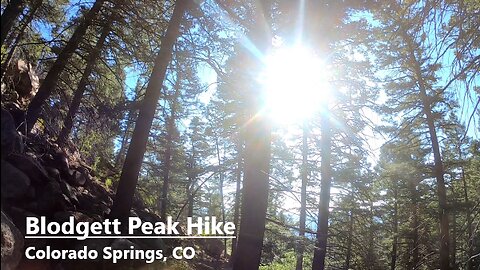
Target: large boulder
76	178
69	191
35	171
19	218
15	184
12	244
9	138
23	80
50	200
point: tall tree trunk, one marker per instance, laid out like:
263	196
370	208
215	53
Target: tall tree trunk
441	190
11	12
257	157
192	176
82	85
171	129
371	259
220	187
454	239
349	242
190	188
254	195
133	161
238	186
438	169
303	198
470	244
26	22
50	82
325	183
414	250
123	144
190	200
167	161
393	260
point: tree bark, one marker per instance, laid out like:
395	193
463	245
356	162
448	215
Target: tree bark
190	187
171	129
325	183
238	187
454	238
438	169
50	82
349	242
167	161
470	244
192	176
257	157
123	144
133	161
303	198
414	250
371	259
441	190
82	85
255	195
393	260
11	12
220	187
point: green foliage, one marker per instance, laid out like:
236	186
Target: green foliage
287	262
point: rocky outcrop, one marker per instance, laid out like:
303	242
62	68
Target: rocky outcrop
12	244
23	80
14	182
10	138
38	178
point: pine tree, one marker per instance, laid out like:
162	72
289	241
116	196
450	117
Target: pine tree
133	161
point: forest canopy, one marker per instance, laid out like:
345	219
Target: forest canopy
333	134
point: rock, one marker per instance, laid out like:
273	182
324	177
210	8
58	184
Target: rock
18	216
90	204
53	172
77	178
69	192
30	167
67	201
64	216
16	112
31	193
152	243
12	244
15	184
105	209
61	161
9	135
123	244
51	199
25	81
99	191
86	201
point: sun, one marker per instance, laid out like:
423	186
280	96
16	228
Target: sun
296	84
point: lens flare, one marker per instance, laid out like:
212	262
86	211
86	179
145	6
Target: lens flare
296	84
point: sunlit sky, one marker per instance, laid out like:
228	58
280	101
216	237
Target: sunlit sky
296	84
